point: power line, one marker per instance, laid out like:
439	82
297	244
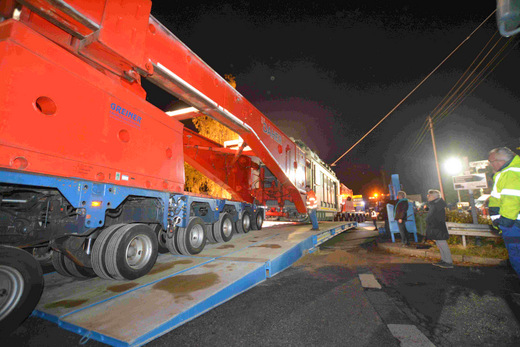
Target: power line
413	90
447	108
447	101
482	75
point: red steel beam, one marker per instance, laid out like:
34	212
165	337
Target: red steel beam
220	165
175	68
124	39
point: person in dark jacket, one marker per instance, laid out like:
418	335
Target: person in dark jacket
400	215
436	227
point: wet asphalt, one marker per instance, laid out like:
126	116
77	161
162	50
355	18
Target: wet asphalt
320	301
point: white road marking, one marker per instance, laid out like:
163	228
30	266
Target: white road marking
409	335
369	281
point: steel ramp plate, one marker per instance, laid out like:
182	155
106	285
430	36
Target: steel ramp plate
63	295
178	288
134	317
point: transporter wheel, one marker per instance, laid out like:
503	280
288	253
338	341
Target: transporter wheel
131	252
238	226
258	220
243	225
192	239
58	262
78	271
224	229
21	285
43	255
66	267
99	249
161	239
171	242
209	233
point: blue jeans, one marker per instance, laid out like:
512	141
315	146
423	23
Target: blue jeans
314	218
511	236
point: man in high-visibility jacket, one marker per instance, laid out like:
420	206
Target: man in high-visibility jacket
312	205
504	202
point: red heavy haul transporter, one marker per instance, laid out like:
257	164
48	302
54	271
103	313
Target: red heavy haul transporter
91	169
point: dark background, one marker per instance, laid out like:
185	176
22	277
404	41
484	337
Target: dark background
327	72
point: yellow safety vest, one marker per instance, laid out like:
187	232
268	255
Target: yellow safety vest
506	191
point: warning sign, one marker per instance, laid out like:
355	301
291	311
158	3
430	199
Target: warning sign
466	182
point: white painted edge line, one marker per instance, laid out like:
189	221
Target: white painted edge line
409	335
369	281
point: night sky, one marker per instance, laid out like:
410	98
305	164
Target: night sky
327	72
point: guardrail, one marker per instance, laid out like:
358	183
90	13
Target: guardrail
466	229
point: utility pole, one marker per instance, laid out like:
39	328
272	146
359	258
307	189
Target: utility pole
435	153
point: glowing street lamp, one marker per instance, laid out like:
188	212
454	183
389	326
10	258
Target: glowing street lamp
453	166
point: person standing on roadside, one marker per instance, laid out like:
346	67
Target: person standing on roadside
400	215
373	214
436	227
504	202
312	205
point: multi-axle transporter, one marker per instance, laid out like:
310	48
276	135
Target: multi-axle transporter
92	170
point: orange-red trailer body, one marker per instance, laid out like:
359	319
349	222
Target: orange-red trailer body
73	105
62	117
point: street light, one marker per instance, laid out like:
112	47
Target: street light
453	166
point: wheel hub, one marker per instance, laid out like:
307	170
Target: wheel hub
196	236
139	251
246	222
11	289
227	228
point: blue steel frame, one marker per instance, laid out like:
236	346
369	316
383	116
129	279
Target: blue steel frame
81	193
181	205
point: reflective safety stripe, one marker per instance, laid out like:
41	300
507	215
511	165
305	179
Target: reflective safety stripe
495	193
510	192
514	192
312	203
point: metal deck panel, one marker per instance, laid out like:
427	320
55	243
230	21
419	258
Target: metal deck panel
326	235
63	295
238	242
150	311
178	288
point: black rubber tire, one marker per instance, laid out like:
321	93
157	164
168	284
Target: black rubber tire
161	239
99	249
258	220
192	239
138	238
245	222
171	242
81	272
43	255
209	233
224	229
238	227
58	262
18	268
